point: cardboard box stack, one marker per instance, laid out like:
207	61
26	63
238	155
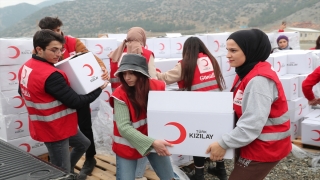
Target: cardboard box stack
14	123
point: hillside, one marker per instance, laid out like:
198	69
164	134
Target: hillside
83	18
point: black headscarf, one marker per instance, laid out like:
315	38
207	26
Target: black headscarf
256	47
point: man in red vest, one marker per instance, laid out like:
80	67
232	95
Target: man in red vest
74	46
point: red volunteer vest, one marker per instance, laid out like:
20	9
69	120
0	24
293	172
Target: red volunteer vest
120	145
274	143
204	78
70	46
49	119
115	82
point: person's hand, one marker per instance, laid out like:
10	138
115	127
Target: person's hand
216	151
160	147
104	85
314	102
105	75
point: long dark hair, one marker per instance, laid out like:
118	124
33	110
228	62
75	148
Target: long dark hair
318	43
191	48
138	95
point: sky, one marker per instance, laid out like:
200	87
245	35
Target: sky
4	3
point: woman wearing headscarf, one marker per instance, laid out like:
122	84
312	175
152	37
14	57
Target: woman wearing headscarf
283	44
133	44
261	136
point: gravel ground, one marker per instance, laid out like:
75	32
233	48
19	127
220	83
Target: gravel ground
290	168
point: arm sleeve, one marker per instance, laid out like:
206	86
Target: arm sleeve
57	86
80	47
152	68
309	82
258	96
141	142
171	76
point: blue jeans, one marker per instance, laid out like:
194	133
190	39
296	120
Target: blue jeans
126	168
59	151
141	167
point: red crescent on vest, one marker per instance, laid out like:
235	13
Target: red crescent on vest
162	46
279	66
25	74
14	76
183	133
180	46
26	145
300	109
295	127
108	95
91	70
158	70
229	66
205	61
101	48
309	61
22	102
17	52
295	87
318	131
217	42
20	124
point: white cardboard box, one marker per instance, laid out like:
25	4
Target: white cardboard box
294	129
176	46
100	47
161	47
9	77
14	126
191	121
83	71
11	103
298	108
310	132
279	63
315	114
290	86
217	43
15	51
225	67
299	61
29	145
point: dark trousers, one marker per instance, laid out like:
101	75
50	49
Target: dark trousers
199	161
85	126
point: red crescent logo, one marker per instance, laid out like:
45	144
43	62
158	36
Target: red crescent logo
108	95
229	66
17	52
91	70
318	134
22	101
183	133
295	87
14	76
279	66
26	145
309	61
162	46
300	109
217	42
206	61
158	70
295	127
101	48
180	46
25	74
20	124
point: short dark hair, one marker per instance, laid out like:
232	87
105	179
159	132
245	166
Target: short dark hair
44	37
50	23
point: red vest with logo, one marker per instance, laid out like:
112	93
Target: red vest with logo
274	142
120	145
204	78
49	119
70	46
115	82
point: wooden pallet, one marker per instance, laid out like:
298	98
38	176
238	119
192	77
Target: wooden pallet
106	169
309	148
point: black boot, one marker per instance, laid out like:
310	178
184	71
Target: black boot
219	170
88	166
198	174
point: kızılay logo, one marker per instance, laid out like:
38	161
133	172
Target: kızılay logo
162	46
317	131
101	49
108	96
20	124
17	54
218	45
22	101
295	87
91	69
27	146
300	105
14	77
180	46
183	133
